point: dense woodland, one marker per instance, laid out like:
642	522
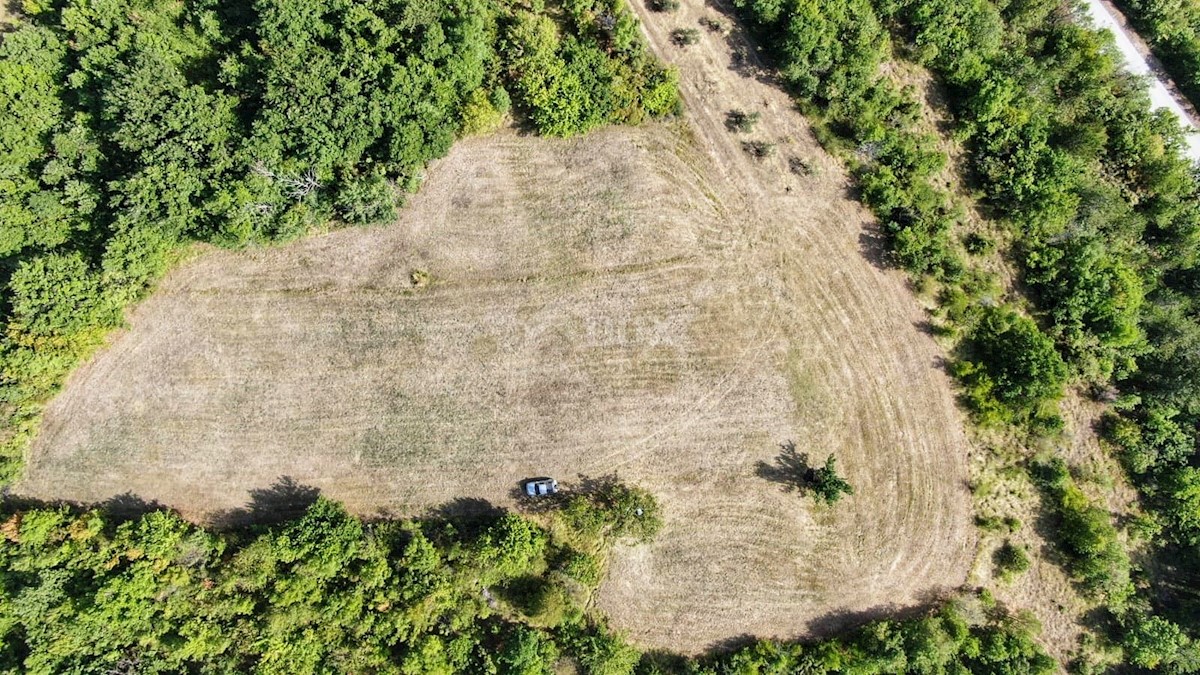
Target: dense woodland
86	592
131	127
1102	211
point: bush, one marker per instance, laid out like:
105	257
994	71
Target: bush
663	5
741	121
366	199
1011	560
827	485
57	303
480	114
1096	558
1012	370
759	149
614	509
684	37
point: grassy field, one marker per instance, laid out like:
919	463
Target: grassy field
651	303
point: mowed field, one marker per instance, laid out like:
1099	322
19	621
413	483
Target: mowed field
651	303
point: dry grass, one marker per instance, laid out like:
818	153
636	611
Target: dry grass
650	302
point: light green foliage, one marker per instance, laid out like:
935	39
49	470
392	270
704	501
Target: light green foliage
366	199
328	593
570	83
57	302
480	115
1155	643
510	546
942	642
85	593
1085	533
526	652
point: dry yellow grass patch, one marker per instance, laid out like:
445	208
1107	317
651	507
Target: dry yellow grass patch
647	302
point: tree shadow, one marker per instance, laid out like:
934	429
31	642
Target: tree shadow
128	506
790	469
284	500
119	508
466	508
731	644
582	485
841	621
747	57
873	245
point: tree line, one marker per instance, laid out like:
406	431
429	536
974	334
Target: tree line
132	127
501	593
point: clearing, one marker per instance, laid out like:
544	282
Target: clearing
649	302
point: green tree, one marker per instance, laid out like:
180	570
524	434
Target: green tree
827	485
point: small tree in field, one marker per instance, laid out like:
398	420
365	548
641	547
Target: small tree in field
827	485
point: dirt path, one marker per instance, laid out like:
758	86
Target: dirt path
648	302
1139	61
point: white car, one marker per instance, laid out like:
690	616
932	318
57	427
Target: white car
541	487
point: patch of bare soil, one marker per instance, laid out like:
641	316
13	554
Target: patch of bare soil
648	302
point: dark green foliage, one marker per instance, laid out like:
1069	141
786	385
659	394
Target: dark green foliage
827	485
1007	524
742	121
86	593
1103	208
614	510
977	244
1011	559
131	127
759	149
1011	369
663	5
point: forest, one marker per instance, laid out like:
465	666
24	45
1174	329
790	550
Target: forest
1101	211
133	127
92	592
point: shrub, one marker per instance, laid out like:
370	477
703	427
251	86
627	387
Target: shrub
57	302
1013	369
978	244
614	509
759	149
741	121
480	114
1096	558
1011	560
684	37
663	5
366	199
